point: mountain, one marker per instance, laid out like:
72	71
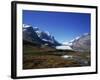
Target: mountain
30	35
35	35
80	43
83	43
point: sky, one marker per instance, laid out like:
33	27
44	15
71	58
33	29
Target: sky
64	26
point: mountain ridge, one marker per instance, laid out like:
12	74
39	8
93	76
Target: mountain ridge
80	43
34	34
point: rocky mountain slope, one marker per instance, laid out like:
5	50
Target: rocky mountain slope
35	35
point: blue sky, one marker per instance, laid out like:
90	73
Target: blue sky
64	26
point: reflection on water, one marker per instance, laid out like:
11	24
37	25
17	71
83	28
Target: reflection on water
76	58
66	56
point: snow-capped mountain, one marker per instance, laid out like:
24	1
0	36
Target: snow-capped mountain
83	43
30	35
34	34
80	43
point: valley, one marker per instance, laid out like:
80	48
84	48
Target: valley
35	57
43	50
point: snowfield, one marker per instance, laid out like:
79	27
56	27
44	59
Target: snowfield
63	47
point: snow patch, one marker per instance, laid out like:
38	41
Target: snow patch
67	43
38	33
64	47
36	28
47	33
26	26
77	38
47	40
67	56
44	40
72	40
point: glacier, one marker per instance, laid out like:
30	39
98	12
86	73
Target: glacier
64	47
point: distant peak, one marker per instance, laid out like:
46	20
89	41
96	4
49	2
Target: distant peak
36	28
77	38
47	33
86	34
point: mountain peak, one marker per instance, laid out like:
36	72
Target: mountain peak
34	34
81	43
36	28
86	34
26	26
48	33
